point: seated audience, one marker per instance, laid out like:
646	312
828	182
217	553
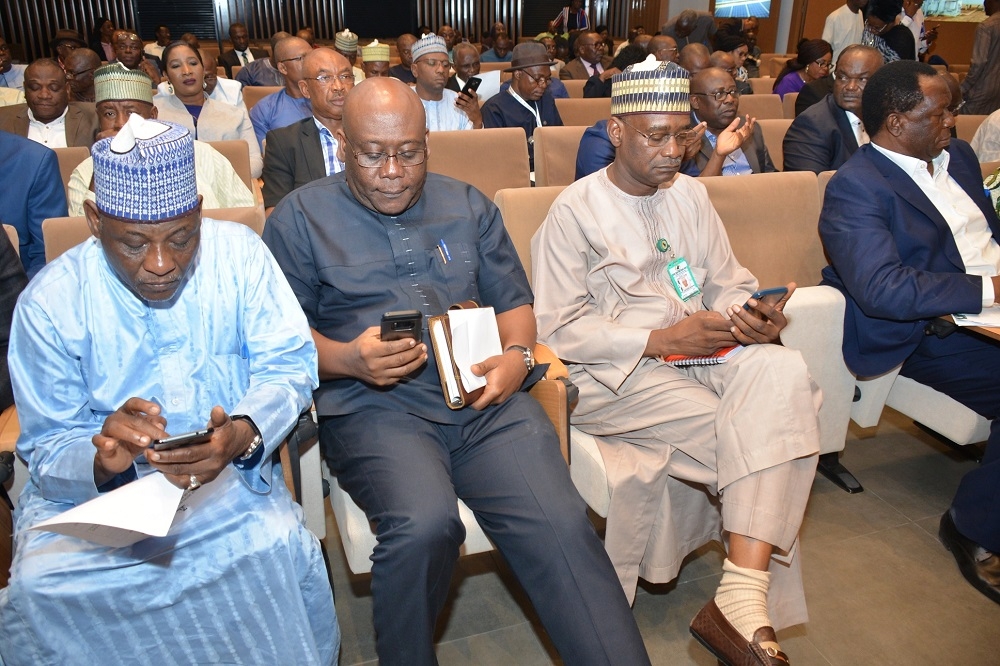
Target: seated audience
12	283
187	104
731	146
664	48
11	75
160	324
192	40
738	48
128	51
375	59
527	103
694	58
100	39
812	92
547	40
986	142
679	443
691	27
450	37
346	44
395	446
403	71
466	63
32	170
726	62
501	51
80	66
444	109
64	43
288	105
590	58
828	133
884	32
595	150
981	87
264	70
242	54
221	90
162	41
120	93
47	116
911	237
307	150
599	85
810	63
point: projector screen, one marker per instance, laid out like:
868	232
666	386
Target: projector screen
742	8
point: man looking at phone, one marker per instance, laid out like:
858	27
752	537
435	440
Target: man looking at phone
444	109
160	325
627	272
366	242
527	103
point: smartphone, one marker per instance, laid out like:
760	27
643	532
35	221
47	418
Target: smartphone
770	296
471	86
402	324
187	439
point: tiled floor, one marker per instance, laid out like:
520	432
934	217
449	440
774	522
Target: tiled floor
881	589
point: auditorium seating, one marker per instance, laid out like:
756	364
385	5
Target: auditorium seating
253	94
774	135
70	159
761	106
966	126
238	154
487	159
575	87
584	112
555	154
762	85
788	105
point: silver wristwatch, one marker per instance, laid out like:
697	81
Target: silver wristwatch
529	357
257	439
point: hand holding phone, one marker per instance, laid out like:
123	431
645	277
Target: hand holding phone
770	297
471	86
402	324
179	441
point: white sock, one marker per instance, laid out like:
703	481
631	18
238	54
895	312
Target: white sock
742	598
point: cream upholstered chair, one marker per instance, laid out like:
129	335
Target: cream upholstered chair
575	87
788	105
69	159
238	154
761	106
253	94
774	130
584	112
487	159
555	154
966	126
761	85
12	235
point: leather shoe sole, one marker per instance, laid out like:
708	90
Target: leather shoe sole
719	637
978	566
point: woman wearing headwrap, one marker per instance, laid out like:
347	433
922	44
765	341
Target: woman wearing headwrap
812	62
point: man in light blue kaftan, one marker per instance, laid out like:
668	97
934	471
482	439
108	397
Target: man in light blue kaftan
160	324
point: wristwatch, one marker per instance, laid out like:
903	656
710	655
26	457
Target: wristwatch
529	357
257	439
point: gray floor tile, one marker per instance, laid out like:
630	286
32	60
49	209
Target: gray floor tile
519	644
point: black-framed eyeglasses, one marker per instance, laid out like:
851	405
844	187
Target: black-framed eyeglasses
328	79
404	158
720	95
293	59
823	64
537	80
70	74
668	49
656	140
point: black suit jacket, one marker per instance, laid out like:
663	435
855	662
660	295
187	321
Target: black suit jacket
812	93
294	157
12	282
231	58
755	150
821	139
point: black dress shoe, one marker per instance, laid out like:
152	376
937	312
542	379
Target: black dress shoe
979	566
715	632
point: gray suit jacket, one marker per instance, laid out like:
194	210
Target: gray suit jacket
81	122
754	149
294	157
575	69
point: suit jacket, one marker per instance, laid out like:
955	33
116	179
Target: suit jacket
754	149
812	93
894	257
294	157
575	69
12	282
820	139
81	122
230	58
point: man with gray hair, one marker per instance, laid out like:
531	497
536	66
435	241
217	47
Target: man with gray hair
690	27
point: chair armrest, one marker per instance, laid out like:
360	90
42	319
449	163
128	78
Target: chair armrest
552	395
557	369
10	429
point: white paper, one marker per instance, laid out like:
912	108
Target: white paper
474	338
144	508
988	317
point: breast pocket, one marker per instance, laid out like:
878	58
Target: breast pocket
454	269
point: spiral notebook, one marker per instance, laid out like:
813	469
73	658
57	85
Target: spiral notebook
721	356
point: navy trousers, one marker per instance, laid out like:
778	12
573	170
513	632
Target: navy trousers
406	472
966	367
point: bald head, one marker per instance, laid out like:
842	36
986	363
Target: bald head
664	47
380	101
290	52
80	66
724	60
694	58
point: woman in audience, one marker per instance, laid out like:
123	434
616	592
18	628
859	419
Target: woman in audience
100	38
884	31
812	62
186	103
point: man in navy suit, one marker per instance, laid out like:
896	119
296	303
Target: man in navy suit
911	237
827	133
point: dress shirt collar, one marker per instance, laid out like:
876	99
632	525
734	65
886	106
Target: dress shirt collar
913	166
52	123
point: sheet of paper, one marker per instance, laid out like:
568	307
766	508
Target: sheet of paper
144	508
988	317
474	338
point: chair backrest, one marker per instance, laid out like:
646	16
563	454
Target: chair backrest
575	87
487	159
823	179
966	126
778	244
777	64
69	159
238	154
220	72
12	235
555	154
253	94
493	66
584	112
986	167
788	105
774	130
251	216
236	70
761	106
523	211
762	85
61	233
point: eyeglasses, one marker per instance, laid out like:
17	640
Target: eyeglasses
538	80
953	110
328	79
433	63
668	49
293	59
70	74
823	64
683	138
404	158
720	95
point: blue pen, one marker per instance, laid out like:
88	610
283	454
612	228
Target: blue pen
444	247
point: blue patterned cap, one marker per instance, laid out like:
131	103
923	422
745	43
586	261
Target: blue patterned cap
146	172
429	43
651	86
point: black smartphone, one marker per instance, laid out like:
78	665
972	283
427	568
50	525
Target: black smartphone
471	86
770	296
187	439
402	324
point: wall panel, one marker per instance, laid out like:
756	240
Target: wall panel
30	24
